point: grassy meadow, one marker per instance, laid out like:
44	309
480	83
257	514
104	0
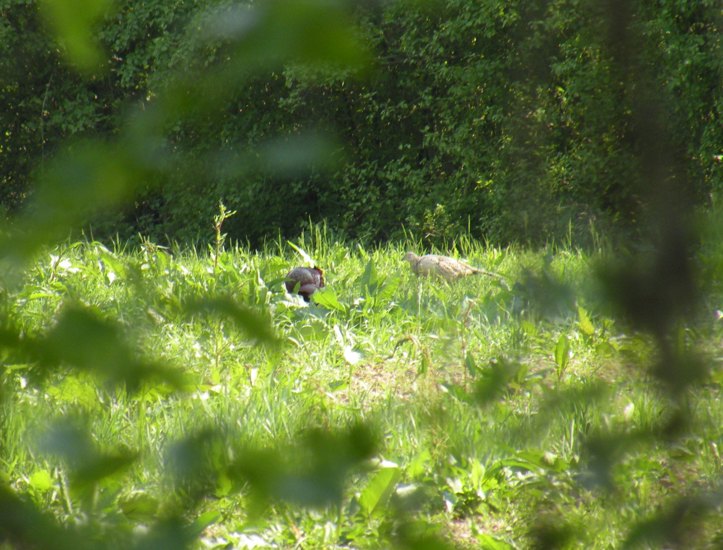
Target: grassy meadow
148	388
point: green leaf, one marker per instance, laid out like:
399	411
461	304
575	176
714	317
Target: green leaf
584	322
101	466
85	340
253	323
73	23
87	465
309	32
370	279
425	363
496	379
387	290
77	390
204	520
419	464
41	480
139	506
470	364
379	488
83	178
301	253
562	352
337	385
488	542
326	297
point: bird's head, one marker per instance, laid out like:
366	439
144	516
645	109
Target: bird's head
411	257
321	275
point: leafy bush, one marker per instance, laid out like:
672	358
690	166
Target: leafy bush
516	121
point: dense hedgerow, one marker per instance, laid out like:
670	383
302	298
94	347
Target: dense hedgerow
515	121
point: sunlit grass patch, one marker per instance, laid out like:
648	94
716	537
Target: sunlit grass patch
499	414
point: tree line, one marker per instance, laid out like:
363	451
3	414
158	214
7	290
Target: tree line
516	121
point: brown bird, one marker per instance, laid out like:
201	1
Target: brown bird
447	267
306	280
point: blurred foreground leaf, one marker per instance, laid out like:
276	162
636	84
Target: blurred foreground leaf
73	22
22	525
85	179
89	342
250	321
82	339
499	377
680	525
70	441
311	472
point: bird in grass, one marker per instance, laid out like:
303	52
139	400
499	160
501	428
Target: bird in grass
444	266
304	280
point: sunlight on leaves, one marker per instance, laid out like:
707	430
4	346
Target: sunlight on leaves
301	252
326	297
41	480
584	322
562	354
379	488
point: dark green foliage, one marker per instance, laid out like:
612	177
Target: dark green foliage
513	120
24	525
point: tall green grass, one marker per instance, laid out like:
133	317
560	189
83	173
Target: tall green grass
498	416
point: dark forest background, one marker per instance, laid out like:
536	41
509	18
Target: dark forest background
515	121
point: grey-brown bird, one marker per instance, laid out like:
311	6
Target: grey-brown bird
444	266
306	280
